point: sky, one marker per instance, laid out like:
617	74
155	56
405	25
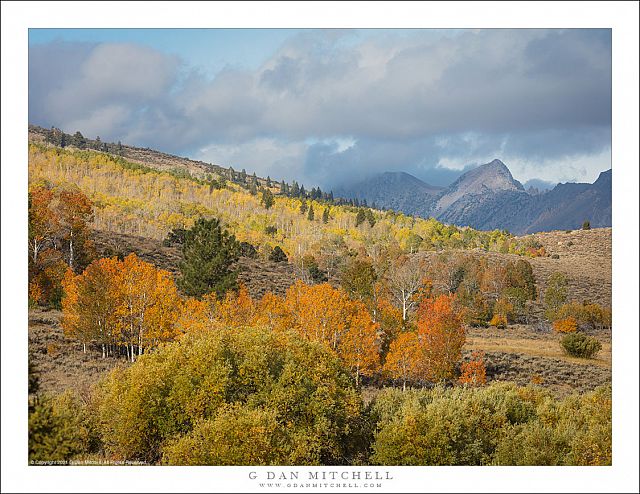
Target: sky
329	107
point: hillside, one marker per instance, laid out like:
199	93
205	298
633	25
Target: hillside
149	201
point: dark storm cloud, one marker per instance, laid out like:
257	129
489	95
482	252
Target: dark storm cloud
326	108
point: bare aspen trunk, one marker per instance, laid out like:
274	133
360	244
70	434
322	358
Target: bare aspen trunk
71	250
103	351
84	347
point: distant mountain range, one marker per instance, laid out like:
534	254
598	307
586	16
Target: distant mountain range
488	197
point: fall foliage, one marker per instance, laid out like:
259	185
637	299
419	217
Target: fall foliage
119	305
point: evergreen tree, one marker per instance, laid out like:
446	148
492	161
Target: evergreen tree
209	252
303	207
311	214
283	188
325	215
303	193
278	255
295	189
79	141
269	184
267	198
370	218
253	189
360	217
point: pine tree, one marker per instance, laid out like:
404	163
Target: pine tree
209	252
269	184
283	188
360	217
325	215
303	207
370	218
311	214
295	189
253	189
267	198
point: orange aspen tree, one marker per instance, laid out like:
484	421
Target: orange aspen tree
91	302
236	310
402	358
441	338
473	373
358	346
273	313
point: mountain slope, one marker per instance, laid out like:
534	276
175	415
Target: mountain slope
482	181
394	190
488	197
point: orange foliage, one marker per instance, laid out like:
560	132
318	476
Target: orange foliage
326	314
358	345
473	373
403	357
123	303
499	321
567	325
273	313
441	338
237	309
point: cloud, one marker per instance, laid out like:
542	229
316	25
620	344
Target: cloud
331	106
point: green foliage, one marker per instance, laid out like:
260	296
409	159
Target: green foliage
267	198
555	294
209	252
500	424
580	345
60	428
586	225
241	396
311	214
360	217
325	215
358	278
278	255
574	431
520	275
311	265
460	426
175	236
245	249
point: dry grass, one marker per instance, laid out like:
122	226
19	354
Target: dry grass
549	348
60	362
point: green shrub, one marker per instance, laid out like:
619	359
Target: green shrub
501	424
278	255
60	428
459	426
574	431
242	396
580	345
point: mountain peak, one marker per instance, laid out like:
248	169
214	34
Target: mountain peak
484	179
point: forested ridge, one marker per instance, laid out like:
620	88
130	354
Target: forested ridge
209	374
